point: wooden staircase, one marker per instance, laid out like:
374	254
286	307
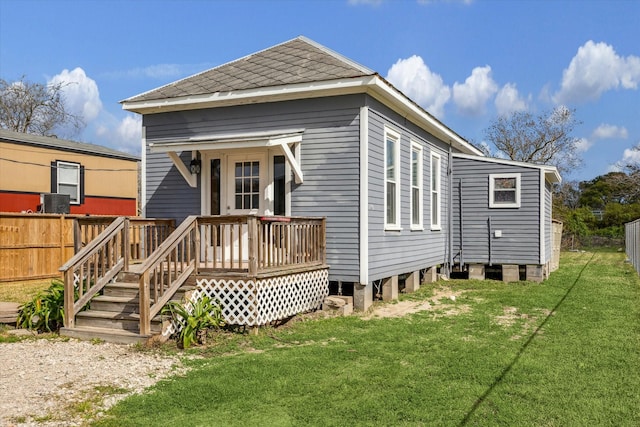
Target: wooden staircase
114	314
125	295
127	273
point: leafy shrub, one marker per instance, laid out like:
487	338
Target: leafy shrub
45	311
195	318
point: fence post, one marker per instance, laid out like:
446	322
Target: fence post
252	229
323	241
62	239
126	253
197	247
144	300
77	236
69	299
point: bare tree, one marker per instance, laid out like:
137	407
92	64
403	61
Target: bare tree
630	165
545	139
36	108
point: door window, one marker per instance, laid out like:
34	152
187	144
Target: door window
247	185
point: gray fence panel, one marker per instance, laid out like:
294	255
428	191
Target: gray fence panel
632	243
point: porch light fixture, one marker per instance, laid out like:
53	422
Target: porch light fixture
194	166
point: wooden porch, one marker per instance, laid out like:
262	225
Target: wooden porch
259	268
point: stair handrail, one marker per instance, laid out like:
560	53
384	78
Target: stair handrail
110	265
148	311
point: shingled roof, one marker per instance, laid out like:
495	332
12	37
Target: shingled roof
63	144
297	61
297	69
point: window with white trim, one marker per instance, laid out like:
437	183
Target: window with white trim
435	192
416	186
392	179
504	190
68	180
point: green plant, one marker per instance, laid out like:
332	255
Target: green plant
195	318
45	311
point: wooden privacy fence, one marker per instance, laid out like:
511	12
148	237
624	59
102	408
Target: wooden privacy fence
34	246
632	242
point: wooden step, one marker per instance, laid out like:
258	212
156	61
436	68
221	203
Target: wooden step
116	304
113	320
8	312
122	289
104	334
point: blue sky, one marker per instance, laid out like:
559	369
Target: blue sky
464	61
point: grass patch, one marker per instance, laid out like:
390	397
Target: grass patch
565	352
21	292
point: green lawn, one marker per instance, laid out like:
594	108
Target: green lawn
562	353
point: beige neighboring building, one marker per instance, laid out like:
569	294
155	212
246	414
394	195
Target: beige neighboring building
98	180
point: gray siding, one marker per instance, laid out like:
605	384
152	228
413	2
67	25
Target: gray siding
330	163
398	252
548	226
168	195
520	227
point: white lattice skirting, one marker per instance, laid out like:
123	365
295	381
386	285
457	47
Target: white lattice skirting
258	302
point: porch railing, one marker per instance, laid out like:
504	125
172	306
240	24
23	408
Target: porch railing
107	246
258	244
162	273
145	235
249	245
88	271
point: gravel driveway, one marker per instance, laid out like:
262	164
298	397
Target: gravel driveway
42	381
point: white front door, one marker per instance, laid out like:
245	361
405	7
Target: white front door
246	194
247	184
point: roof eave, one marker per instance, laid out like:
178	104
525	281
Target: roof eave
65	145
372	84
551	172
421	117
252	96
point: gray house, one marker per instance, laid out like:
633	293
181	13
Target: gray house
502	216
298	130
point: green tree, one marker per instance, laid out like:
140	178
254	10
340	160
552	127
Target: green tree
614	187
578	222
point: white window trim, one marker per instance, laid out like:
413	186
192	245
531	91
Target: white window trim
437	225
77	184
497	205
419	225
391	134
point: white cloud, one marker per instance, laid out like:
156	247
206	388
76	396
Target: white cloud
81	93
102	130
129	132
490	150
445	1
629	157
605	131
471	96
595	69
418	82
583	144
508	100
369	2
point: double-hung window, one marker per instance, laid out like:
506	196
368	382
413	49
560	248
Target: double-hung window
416	186
435	192
504	190
392	180
68	180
